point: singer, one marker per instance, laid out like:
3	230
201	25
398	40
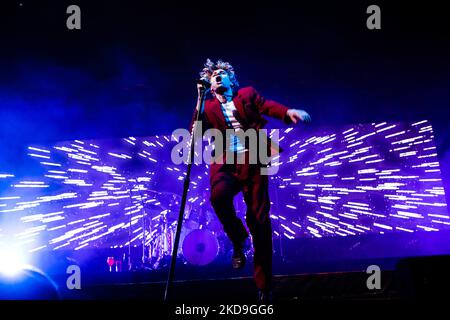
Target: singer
241	109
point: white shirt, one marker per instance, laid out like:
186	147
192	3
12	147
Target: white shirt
228	108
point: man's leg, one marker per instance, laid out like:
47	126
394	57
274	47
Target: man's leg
256	195
224	188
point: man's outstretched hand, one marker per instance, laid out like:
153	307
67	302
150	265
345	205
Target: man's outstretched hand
295	115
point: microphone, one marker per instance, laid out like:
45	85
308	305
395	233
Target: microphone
204	83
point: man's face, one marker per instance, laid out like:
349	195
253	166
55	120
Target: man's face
220	81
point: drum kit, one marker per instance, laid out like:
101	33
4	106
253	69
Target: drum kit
201	239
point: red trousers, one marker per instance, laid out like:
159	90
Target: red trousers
227	180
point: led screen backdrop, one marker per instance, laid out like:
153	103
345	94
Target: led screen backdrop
371	178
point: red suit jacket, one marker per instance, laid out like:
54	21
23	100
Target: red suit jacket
250	108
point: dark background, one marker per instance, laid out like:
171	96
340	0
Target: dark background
130	70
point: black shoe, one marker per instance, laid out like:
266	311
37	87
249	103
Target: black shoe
265	296
238	259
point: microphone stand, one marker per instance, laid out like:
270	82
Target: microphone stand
199	110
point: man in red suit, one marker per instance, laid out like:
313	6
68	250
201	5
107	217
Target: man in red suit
242	109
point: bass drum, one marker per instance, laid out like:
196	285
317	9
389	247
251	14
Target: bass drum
200	247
